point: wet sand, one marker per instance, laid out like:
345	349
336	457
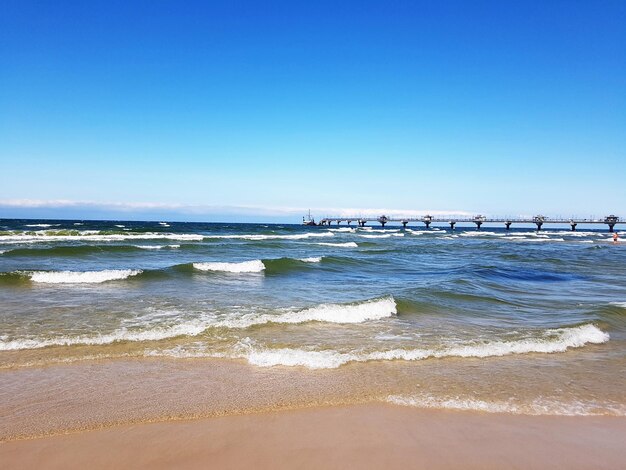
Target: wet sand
356	436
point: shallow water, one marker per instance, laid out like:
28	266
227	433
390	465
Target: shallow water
514	321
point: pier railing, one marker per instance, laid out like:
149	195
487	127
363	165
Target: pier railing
539	220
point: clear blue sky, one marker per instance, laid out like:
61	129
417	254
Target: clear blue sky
497	107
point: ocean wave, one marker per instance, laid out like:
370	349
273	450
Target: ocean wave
341	245
343	229
81	250
536	407
385	235
156	247
357	312
253	266
480	233
426	232
539	239
381	230
253	237
375	236
570	233
91	235
550	341
297	357
42	225
81	277
192	328
285	265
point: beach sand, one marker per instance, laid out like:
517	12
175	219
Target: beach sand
357	436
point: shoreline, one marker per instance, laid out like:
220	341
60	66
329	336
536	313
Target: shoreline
43	401
358	436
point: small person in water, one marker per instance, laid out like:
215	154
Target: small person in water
615	237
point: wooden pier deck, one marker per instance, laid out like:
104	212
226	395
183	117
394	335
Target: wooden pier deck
539	220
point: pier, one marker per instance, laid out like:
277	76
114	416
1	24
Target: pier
539	220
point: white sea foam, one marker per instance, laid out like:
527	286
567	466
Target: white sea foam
297	357
313	259
535	407
480	233
94	235
376	236
358	312
253	266
254	237
426	232
120	226
156	247
341	245
42	225
192	328
343	229
550	341
532	234
328	313
572	234
82	277
382	230
619	304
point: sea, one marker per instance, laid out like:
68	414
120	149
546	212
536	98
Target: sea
492	320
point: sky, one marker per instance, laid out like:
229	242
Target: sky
250	111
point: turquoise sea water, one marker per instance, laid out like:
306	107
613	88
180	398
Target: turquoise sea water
521	320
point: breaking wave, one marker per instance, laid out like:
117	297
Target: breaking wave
81	277
357	312
297	236
156	247
536	407
343	229
91	235
551	341
253	266
192	328
341	245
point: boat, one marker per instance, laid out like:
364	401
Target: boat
308	220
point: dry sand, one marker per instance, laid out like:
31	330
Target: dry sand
358	436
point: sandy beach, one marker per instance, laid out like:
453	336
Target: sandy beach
358	436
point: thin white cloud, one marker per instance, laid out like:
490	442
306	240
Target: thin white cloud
199	209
